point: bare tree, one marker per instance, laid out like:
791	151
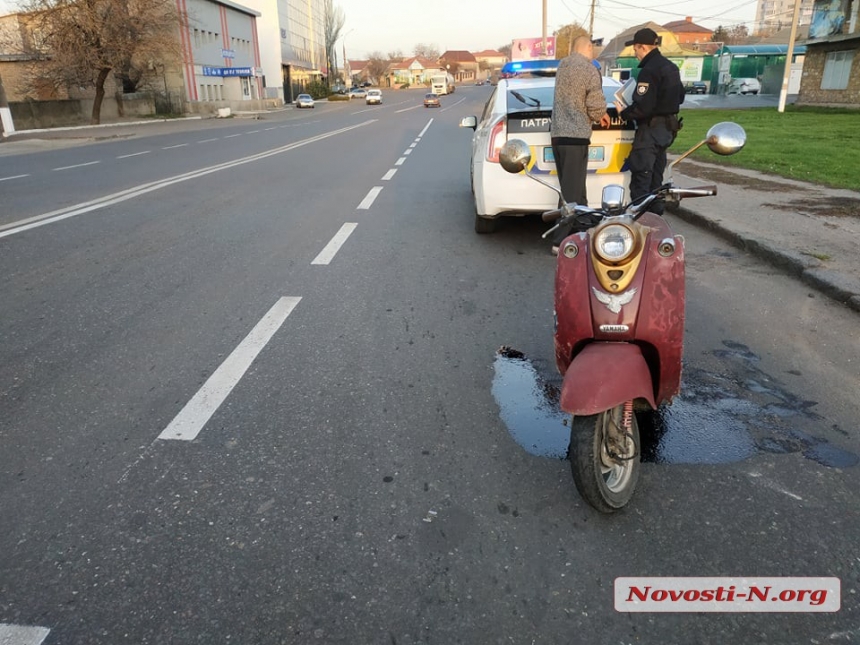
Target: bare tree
85	40
395	56
426	51
377	64
506	50
565	36
332	26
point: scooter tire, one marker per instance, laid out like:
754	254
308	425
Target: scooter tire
606	488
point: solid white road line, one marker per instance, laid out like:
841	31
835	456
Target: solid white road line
124	195
135	154
426	127
400	161
407	109
79	165
179	145
367	202
22	635
331	249
389	174
190	421
13	177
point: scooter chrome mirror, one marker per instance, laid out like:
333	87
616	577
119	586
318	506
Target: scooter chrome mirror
726	138
612	198
515	156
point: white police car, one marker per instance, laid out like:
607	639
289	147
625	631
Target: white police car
520	107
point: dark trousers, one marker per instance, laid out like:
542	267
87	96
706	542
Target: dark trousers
648	161
571	163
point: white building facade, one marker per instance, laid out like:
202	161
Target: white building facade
773	15
292	45
220	54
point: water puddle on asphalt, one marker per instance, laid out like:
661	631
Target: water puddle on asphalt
716	419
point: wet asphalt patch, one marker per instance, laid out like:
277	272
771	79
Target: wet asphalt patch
717	418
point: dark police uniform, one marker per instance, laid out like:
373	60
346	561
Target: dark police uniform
656	101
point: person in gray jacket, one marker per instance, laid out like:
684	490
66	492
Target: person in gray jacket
578	103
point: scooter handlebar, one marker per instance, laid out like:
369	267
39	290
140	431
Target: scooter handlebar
699	191
551	216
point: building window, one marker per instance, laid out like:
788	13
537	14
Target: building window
837	68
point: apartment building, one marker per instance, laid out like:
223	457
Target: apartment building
292	45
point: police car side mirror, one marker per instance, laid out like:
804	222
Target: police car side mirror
469	122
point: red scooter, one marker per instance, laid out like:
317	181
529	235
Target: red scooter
619	307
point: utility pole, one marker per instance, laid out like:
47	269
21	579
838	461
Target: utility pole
786	75
591	20
543	42
6	124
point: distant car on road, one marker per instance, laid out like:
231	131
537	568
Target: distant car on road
432	100
373	97
304	101
479	82
357	93
697	87
744	86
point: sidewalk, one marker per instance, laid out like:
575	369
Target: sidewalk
808	231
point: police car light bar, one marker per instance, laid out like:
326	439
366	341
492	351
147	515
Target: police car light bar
542	67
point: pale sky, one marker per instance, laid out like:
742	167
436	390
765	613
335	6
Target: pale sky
473	25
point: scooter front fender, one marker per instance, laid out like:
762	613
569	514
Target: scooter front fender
604	375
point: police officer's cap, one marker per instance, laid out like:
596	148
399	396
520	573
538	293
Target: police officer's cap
644	37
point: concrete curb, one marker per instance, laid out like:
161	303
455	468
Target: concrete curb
808	269
6	135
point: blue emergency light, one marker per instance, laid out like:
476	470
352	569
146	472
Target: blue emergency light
540	67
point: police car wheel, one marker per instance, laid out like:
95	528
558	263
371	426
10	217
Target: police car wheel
484	225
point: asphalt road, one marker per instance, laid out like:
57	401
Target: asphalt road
249	393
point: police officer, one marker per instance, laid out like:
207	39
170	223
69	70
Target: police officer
656	101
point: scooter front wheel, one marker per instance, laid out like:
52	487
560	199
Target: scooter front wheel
604	457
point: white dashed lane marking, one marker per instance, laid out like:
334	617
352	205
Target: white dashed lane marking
191	419
367	202
79	165
22	634
331	249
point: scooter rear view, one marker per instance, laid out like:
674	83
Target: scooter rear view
619	307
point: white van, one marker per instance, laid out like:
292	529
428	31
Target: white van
744	86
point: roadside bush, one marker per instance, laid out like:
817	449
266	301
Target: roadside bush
338	97
317	89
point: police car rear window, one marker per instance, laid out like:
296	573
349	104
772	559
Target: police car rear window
533	98
540	98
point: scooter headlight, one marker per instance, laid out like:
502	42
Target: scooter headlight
614	243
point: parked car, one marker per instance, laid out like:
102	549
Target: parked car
304	101
432	100
357	93
520	107
744	86
373	97
479	82
697	87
